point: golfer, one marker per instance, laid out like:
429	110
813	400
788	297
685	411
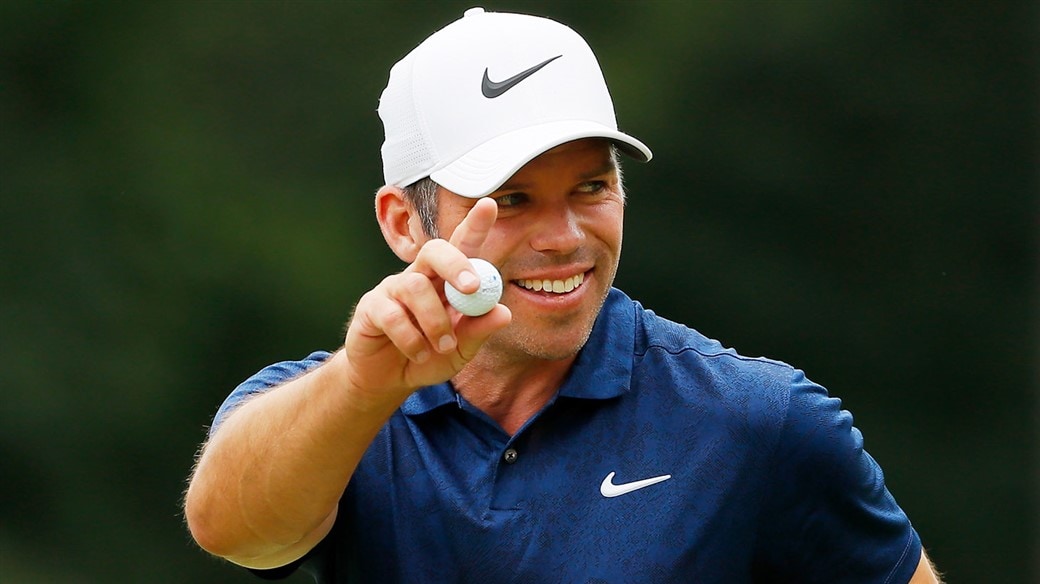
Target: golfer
569	434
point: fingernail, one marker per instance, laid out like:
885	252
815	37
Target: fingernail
467	278
422	356
446	343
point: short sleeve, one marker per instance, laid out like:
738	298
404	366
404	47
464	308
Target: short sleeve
268	377
829	516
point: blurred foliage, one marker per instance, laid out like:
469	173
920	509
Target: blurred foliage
848	186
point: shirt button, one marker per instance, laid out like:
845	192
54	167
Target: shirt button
510	456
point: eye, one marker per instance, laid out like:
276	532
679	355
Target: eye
510	200
592	187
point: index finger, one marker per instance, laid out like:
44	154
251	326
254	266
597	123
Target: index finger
471	233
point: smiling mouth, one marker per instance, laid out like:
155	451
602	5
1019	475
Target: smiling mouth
553	286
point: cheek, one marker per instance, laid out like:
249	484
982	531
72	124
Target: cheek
607	225
503	245
448	218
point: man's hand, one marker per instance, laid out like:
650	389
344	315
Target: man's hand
404	335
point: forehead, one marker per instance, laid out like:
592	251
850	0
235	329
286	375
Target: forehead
577	160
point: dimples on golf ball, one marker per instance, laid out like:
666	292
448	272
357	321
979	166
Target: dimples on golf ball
483	300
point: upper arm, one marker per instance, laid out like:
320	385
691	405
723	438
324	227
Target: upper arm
830	513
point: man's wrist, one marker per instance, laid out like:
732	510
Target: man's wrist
339	377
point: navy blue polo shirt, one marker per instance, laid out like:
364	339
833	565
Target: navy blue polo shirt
664	457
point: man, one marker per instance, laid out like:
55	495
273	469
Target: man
568	434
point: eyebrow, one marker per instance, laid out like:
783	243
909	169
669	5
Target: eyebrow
608	166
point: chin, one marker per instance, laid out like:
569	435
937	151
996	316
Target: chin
528	349
542	343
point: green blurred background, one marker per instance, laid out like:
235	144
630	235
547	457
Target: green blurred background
187	196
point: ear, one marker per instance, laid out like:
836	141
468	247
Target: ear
400	223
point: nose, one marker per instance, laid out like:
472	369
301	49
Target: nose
557	231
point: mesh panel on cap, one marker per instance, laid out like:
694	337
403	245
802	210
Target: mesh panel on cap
406	154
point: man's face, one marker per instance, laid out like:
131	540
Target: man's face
557	243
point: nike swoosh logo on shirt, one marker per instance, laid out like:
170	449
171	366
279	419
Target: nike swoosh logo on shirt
608	489
492	89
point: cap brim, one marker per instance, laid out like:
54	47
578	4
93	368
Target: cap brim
482	170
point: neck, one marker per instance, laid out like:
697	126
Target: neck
510	393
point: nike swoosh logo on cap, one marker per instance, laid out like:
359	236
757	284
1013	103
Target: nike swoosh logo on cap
492	89
608	489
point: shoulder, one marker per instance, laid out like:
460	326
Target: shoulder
269	377
776	403
694	364
278	373
801	417
656	334
695	383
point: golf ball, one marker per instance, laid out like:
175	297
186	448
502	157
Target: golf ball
483	300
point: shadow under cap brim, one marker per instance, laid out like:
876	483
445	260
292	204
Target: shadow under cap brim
483	169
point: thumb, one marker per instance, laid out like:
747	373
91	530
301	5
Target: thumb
472	333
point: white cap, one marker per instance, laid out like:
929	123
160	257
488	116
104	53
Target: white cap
485	95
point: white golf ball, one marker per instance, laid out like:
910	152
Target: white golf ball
483	300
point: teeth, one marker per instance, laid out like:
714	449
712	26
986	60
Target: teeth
555	286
